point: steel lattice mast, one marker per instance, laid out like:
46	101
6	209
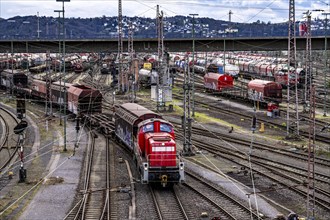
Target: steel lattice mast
311	154
308	75
325	63
292	126
120	46
130	40
48	107
310	95
131	76
193	65
161	64
160	35
186	118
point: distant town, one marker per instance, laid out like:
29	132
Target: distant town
34	27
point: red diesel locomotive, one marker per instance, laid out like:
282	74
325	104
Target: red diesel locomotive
152	140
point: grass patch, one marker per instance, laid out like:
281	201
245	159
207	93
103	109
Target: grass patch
323	152
176	90
202	117
144	92
320	116
178	109
16	192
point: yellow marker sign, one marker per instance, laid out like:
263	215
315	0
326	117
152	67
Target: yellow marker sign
147	66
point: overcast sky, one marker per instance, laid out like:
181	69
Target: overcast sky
243	10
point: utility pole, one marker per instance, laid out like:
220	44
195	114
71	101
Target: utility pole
12	66
308	74
230	13
38	30
63	60
20	127
193	64
325	63
311	155
162	80
292	62
130	40
48	107
157	22
186	118
131	76
59	58
120	47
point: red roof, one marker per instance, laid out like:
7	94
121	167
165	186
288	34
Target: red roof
83	91
259	85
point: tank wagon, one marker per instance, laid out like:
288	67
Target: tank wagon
152	141
147	78
262	91
216	82
219	66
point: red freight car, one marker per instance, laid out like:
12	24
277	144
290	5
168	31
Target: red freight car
152	140
83	99
218	82
264	91
58	92
38	88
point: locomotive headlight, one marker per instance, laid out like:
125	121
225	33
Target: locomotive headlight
145	166
181	166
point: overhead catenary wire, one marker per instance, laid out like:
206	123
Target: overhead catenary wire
248	156
193	5
47	175
37	184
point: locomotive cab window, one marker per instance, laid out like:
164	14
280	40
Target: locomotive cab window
165	127
148	127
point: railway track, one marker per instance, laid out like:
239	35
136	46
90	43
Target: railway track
319	161
4	138
168	204
199	87
95	200
228	207
8	148
209	105
289	176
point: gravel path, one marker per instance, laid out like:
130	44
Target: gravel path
57	192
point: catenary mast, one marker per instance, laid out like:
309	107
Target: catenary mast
120	46
292	125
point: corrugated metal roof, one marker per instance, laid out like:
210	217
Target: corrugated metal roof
83	91
134	113
259	83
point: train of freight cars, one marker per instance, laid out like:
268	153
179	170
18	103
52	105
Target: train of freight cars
262	91
250	66
79	99
150	138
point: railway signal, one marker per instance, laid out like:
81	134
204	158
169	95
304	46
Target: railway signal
20	127
20	106
77	131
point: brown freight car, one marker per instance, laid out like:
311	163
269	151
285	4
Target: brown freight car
83	99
